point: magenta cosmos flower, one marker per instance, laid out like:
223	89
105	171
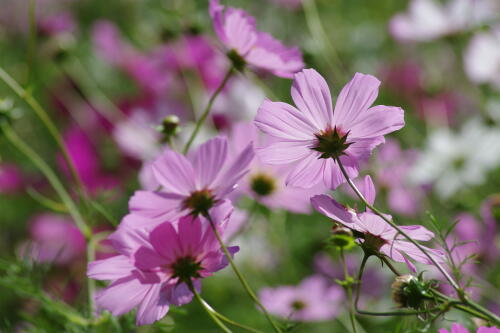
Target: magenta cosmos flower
457	328
377	234
237	30
314	299
190	185
154	269
266	183
310	136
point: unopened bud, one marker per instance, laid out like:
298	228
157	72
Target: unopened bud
237	60
169	127
341	237
409	291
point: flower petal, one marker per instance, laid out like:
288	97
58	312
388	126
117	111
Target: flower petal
332	209
122	295
377	121
311	94
284	152
355	98
208	161
112	268
153	307
283	121
174	172
306	173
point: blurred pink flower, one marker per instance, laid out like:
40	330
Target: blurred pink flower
59	23
11	178
266	183
457	328
54	239
314	299
192	184
394	165
154	269
314	134
237	30
86	161
151	72
378	234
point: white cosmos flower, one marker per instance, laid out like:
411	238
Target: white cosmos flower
452	161
428	19
482	57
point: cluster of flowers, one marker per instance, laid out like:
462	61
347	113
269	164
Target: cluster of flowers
168	242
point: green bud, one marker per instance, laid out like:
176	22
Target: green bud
237	60
341	238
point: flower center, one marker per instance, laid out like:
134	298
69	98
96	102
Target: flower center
199	202
298	305
262	184
331	143
374	242
186	268
458	163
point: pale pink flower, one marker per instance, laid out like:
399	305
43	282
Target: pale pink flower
191	184
237	30
314	299
378	234
54	239
457	328
313	134
154	269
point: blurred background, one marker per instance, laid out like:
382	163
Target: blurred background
108	73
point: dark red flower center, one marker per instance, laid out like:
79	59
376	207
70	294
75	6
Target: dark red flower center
186	268
331	143
298	305
199	202
262	184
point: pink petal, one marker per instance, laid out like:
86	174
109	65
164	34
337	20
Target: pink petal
145	258
155	205
153	307
126	240
306	173
283	121
311	94
377	121
112	268
122	295
190	235
228	177
368	190
355	98
240	30
174	172
208	161
332	209
284	152
165	240
418	232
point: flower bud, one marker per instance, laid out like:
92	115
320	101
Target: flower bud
409	291
169	127
341	237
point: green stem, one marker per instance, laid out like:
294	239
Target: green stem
348	288
17	142
205	113
227	320
208	309
391	267
44	117
32	36
395	226
243	281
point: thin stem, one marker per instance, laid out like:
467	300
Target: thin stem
208	309
391	267
395	226
205	113
44	117
348	288
17	142
227	320
243	281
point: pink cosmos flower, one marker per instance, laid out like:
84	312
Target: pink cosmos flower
314	299
10	178
192	184
154	269
313	134
237	30
378	234
266	183
54	239
457	328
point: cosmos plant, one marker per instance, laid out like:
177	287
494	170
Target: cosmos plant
296	157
